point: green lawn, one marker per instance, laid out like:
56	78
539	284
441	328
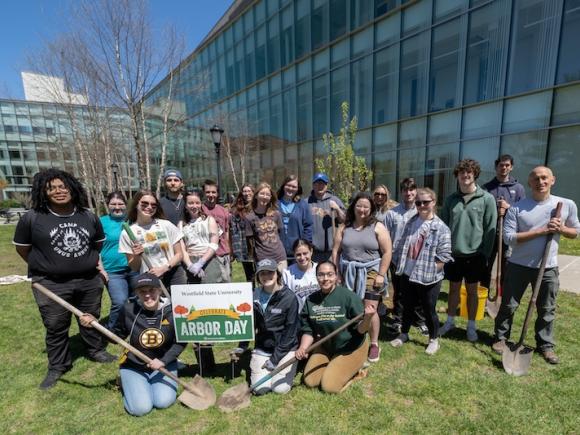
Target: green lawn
569	246
462	389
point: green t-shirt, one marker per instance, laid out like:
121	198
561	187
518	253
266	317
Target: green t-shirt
323	313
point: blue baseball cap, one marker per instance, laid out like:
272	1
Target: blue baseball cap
320	177
172	173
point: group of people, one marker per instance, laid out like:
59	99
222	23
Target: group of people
315	263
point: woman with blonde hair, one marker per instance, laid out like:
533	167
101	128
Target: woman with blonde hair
381	198
264	227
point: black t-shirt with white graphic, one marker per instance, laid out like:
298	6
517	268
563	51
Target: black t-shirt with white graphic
61	246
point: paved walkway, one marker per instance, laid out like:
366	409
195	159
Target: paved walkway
569	266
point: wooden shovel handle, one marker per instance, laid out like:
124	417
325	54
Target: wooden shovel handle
538	280
95	324
499	262
144	257
310	348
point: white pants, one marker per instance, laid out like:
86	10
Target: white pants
280	383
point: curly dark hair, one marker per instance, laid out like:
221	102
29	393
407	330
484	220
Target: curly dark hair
132	210
468	165
350	217
41	181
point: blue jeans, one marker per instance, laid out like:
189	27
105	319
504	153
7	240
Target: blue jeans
120	288
143	390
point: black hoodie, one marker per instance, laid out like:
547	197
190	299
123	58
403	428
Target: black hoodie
511	191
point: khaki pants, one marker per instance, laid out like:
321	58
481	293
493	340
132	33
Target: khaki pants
332	373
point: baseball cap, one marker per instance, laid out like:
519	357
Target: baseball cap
320	177
172	173
266	264
147	280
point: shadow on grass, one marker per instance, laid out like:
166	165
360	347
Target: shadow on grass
111	384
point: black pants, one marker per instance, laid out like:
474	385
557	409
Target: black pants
426	297
175	276
486	279
249	270
85	294
418	318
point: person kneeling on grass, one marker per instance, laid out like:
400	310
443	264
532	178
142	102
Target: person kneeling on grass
337	361
148	322
277	322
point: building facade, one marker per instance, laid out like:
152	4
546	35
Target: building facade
431	82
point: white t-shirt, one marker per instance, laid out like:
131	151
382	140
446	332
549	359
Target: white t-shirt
303	284
157	239
196	235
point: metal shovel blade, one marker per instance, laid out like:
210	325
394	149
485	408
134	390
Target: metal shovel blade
235	398
492	307
517	361
198	395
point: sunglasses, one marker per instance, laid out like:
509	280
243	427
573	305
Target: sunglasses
380	194
145	204
423	203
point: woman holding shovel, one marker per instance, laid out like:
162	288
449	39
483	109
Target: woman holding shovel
148	324
156	238
334	364
277	323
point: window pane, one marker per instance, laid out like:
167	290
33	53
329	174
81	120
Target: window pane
386	84
287	36
321	62
304	111
362	142
482	121
412	164
569	62
485	151
413	79
412	133
361	91
447	8
441	160
339	89
385	137
487	52
339	53
566	106
527	149
388	30
564	160
273	45
320	105
444	127
289	116
304	68
337	18
361	12
276	116
445	66
260	52
319	23
384	6
527	113
362	42
302	27
534	45
416	17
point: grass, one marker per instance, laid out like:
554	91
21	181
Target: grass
569	246
461	389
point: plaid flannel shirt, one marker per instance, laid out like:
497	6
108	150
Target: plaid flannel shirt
238	236
436	247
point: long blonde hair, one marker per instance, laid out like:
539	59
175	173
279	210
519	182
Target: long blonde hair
385	206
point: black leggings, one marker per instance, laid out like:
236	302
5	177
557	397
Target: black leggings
426	296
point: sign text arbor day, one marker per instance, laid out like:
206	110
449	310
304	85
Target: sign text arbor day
213	312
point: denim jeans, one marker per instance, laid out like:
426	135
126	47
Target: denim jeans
120	289
144	390
518	278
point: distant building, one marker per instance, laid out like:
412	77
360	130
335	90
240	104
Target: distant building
48	89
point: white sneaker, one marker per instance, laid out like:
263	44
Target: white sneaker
432	347
400	340
472	335
447	326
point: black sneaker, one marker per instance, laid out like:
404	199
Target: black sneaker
396	327
50	380
103	357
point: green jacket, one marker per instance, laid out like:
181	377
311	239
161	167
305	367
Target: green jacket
472	224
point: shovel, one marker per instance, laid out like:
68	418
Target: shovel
144	258
494	302
198	394
238	397
516	361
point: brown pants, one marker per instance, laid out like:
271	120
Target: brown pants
331	373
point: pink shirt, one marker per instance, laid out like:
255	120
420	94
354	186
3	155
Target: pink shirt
222	217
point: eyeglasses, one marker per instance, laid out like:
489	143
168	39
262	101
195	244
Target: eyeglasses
422	203
325	275
53	189
145	204
380	194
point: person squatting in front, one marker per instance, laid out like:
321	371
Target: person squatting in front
277	323
148	324
425	248
335	363
362	249
60	240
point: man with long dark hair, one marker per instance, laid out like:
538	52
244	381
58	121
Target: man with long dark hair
60	240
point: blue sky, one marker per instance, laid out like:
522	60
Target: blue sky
26	23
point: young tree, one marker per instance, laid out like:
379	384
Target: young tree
348	172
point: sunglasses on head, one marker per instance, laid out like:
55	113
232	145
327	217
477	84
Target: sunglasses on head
145	204
421	203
